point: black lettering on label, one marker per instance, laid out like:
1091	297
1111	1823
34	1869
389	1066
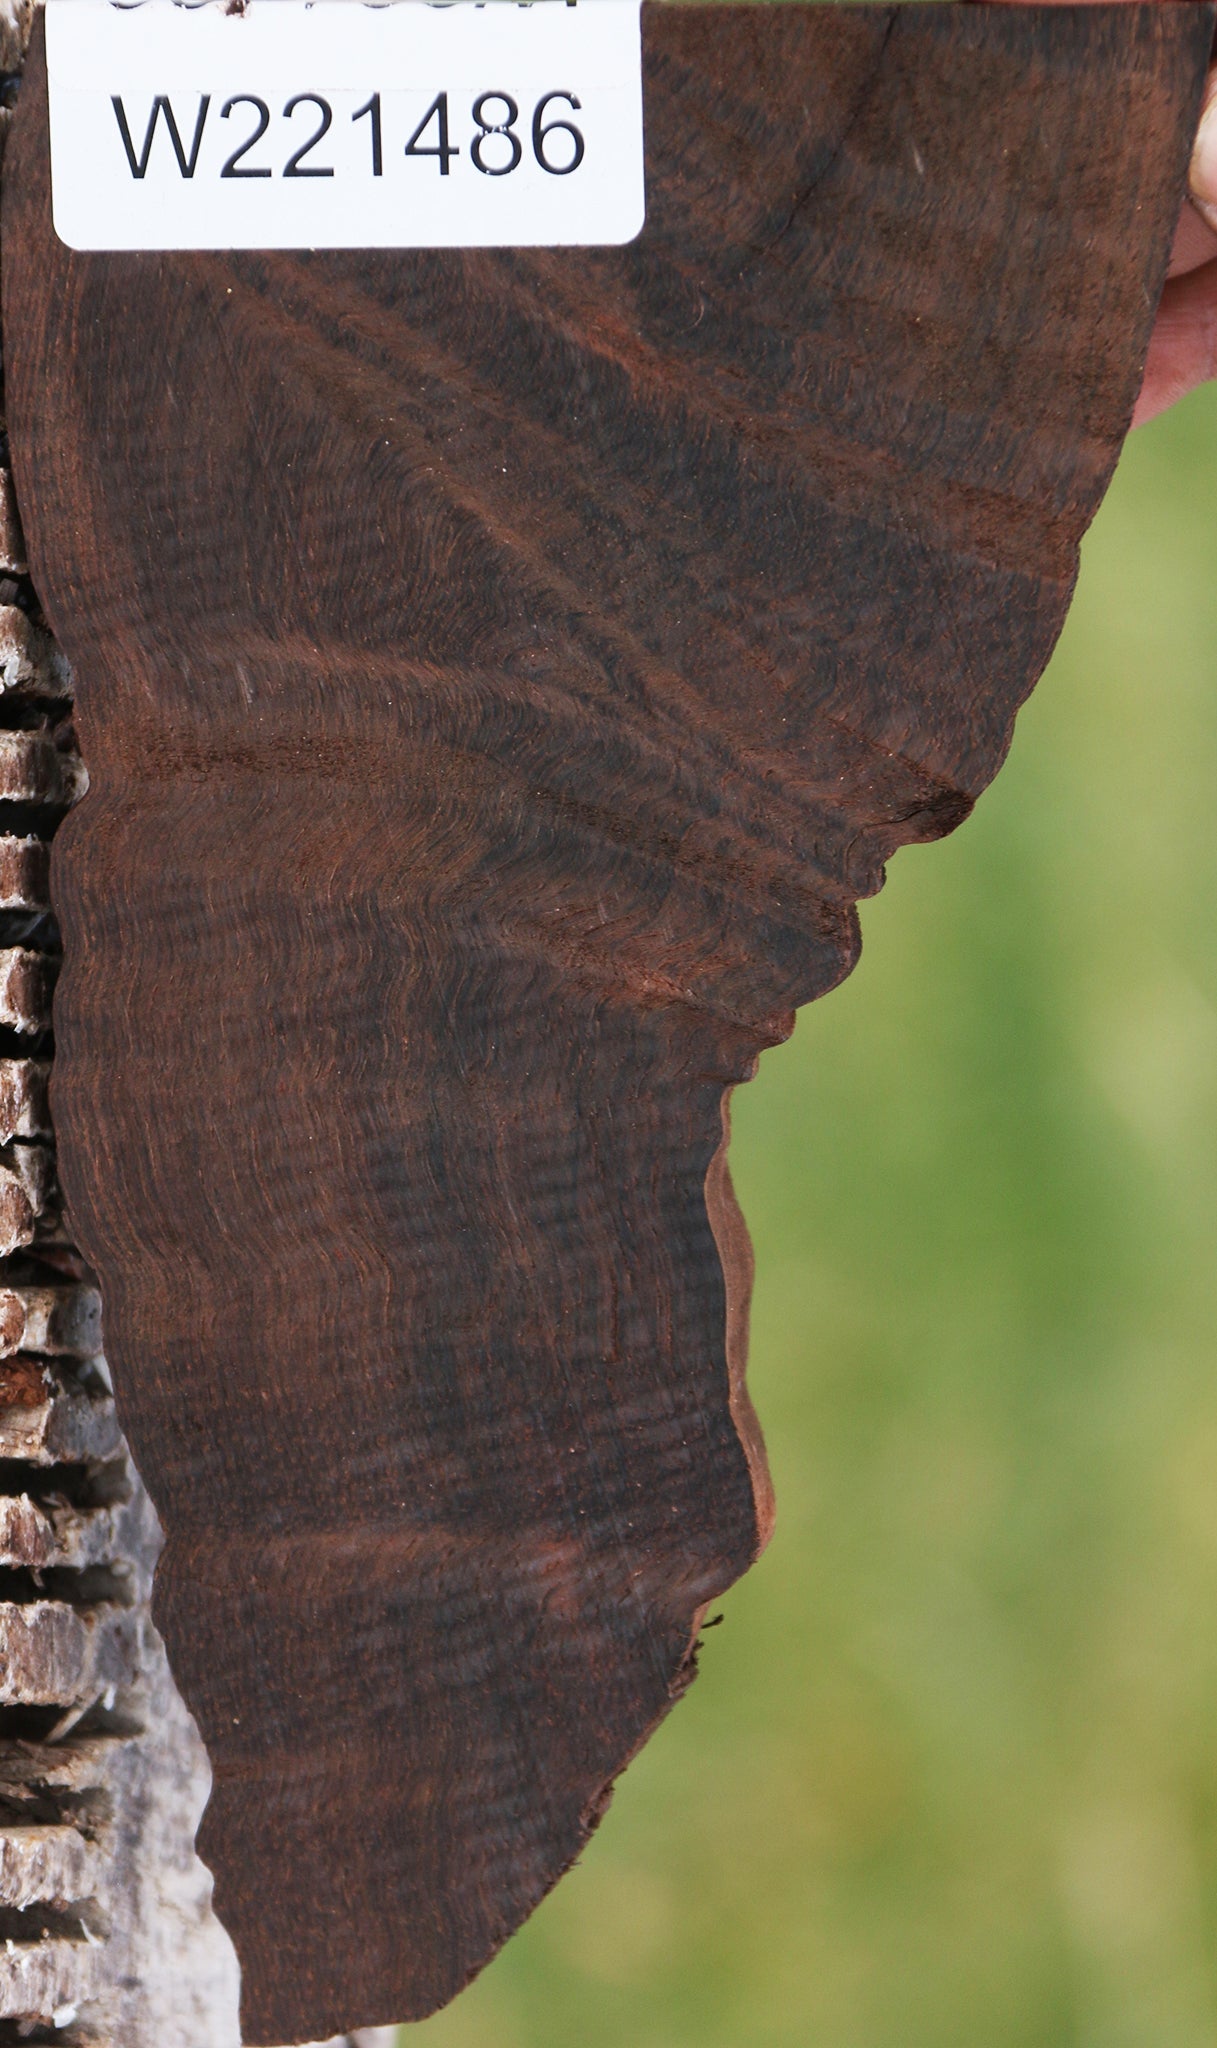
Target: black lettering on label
187	165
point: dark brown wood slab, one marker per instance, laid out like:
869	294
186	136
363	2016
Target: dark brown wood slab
499	675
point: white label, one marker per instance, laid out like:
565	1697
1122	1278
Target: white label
319	124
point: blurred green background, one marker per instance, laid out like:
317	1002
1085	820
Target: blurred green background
949	1775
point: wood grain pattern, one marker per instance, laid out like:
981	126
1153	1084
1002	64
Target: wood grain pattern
499	675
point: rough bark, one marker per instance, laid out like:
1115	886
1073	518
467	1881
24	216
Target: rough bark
499	675
105	1908
110	1941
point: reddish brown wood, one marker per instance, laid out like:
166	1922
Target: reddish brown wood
499	675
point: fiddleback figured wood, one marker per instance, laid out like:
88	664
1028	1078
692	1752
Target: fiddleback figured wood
499	674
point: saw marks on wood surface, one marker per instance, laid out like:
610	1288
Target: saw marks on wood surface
499	674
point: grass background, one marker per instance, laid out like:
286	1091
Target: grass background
949	1776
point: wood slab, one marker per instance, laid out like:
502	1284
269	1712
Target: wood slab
499	674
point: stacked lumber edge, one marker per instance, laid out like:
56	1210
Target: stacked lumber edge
109	1940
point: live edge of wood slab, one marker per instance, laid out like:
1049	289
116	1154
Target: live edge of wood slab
499	675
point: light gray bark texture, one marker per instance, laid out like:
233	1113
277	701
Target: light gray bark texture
109	1940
